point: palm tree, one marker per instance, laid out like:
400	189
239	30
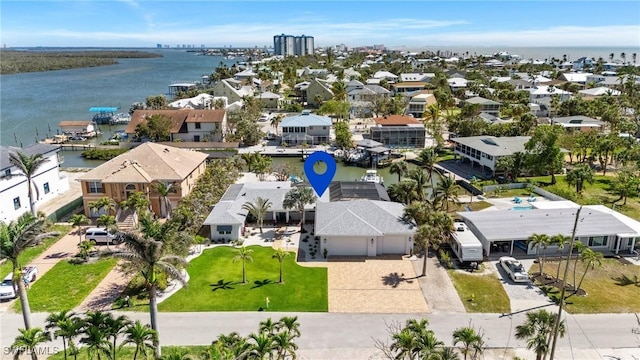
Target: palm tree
28	166
421	179
149	258
280	255
67	326
417	212
15	237
537	330
400	168
590	259
297	198
163	190
428	158
339	90
104	203
560	240
115	326
539	240
258	209
579	175
472	342
107	221
28	340
78	220
244	255
275	122
136	201
142	336
578	247
284	346
447	191
406	191
96	341
262	346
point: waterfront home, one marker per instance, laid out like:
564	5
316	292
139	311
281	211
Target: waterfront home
47	182
363	228
484	151
578	123
137	171
201	101
186	124
232	89
306	128
486	105
398	131
420	102
504	232
82	128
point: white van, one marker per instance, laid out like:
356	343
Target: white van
100	236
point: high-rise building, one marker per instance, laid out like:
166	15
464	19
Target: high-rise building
293	45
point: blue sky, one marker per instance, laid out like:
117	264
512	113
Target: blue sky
136	23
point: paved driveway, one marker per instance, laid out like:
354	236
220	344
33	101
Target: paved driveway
523	296
374	286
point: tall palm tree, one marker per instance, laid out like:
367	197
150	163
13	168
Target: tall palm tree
107	221
258	209
421	180
284	345
590	259
28	166
104	203
406	191
297	198
280	255
243	254
537	330
15	237
428	158
578	247
400	168
148	257
539	241
67	326
142	336
339	90
78	220
560	241
115	326
275	122
447	191
96	334
163	190
471	340
262	345
28	340
417	212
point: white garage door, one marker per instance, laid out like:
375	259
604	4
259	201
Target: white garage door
348	247
393	245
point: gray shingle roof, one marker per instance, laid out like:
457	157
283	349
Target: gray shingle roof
481	101
360	218
521	224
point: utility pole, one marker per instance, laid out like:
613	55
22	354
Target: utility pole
556	324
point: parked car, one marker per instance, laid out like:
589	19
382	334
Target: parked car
264	117
514	269
78	138
7	291
100	236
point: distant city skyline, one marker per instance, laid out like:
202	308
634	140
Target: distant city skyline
409	24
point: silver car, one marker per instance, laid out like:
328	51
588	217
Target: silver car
514	269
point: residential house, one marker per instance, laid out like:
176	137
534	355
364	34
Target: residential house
306	128
580	78
417	77
232	89
398	131
486	105
407	88
542	94
245	74
583	63
507	232
355	190
457	83
201	101
47	182
578	123
590	94
485	150
420	102
390	77
363	228
186	124
138	170
362	97
318	92
78	128
520	84
270	100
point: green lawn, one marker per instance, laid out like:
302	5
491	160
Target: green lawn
66	285
480	293
33	252
126	352
216	284
612	288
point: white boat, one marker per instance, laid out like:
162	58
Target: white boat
372	176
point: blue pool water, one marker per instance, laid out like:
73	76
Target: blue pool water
522	208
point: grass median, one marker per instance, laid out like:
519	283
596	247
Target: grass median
66	285
127	352
480	293
216	284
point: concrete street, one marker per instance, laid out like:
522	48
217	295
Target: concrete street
350	336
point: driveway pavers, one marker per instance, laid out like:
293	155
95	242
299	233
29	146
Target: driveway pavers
374	286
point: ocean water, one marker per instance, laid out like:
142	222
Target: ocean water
541	53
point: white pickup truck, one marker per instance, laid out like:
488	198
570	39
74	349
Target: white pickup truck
7	291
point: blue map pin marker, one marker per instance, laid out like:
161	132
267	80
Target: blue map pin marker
320	182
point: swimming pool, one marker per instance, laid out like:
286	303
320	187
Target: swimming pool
522	207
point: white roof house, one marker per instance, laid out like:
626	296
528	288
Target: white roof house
385	75
600	91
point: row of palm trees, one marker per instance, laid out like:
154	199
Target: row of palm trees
589	258
243	255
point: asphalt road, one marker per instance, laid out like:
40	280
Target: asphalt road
350	336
